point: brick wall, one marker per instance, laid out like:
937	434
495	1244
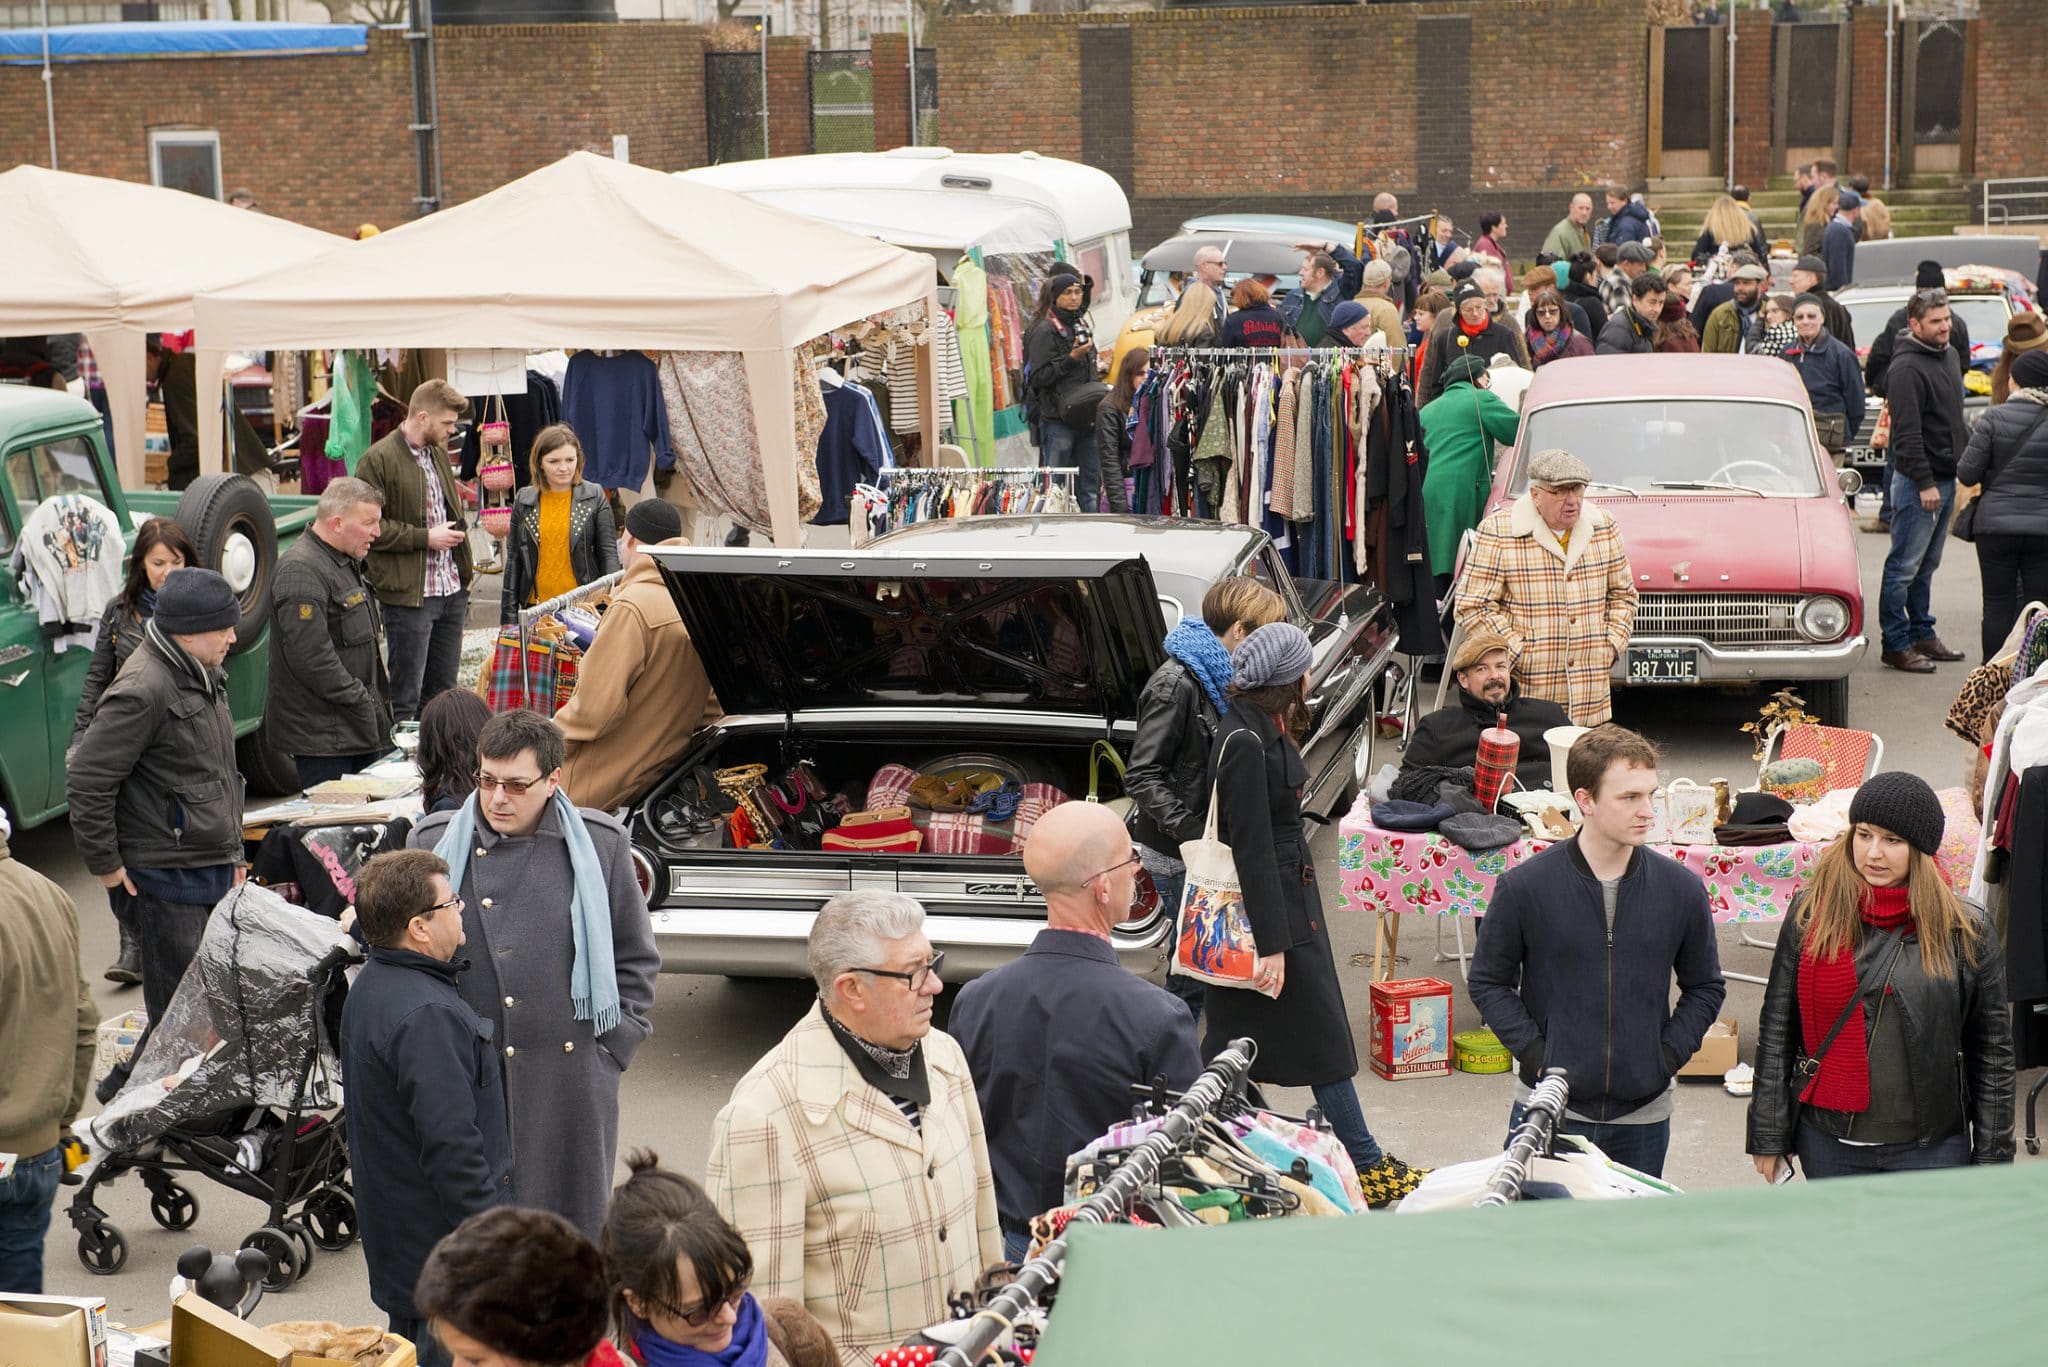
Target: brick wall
1227	108
889	54
2010	62
1867	133
789	96
1755	51
325	140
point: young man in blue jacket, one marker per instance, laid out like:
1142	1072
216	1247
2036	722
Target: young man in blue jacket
426	1096
1575	959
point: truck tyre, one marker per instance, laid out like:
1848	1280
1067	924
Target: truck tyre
270	771
1829	699
235	533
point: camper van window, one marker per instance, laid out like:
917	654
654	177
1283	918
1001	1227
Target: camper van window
1093	259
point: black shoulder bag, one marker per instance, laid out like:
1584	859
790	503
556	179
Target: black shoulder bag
1963	527
1806	1067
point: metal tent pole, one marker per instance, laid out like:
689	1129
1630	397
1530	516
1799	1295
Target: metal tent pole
49	90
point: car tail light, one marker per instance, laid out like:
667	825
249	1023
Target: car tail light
1823	618
644	874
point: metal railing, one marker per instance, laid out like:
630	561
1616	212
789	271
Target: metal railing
2014	199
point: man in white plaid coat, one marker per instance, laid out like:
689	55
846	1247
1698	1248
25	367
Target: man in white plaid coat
851	1157
1549	575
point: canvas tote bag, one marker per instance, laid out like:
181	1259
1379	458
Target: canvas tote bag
1212	934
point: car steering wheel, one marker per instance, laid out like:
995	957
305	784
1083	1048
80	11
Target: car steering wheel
1732	465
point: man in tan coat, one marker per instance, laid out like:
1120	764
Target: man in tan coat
851	1157
1549	575
642	692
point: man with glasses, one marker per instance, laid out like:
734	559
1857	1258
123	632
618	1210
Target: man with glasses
426	1116
1057	1038
851	1157
1209	270
563	959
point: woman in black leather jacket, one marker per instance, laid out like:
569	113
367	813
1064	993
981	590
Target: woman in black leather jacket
1920	1072
562	531
1178	713
1112	429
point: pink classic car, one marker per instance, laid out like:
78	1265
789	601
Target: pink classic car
1733	515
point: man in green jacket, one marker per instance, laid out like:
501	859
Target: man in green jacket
419	564
1569	235
47	1031
1736	320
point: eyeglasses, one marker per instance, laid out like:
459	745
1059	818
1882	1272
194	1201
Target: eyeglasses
916	976
704	1314
1542	309
1119	867
442	906
518	787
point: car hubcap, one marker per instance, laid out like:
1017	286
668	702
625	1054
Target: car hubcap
238	562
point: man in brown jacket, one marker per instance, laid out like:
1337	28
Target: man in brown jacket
47	1030
419	564
642	692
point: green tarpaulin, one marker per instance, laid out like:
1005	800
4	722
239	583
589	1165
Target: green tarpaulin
1913	1268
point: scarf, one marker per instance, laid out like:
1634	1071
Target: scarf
145	604
1471	331
1194	645
593	978
1825	987
2039	396
1548	346
749	1346
213	681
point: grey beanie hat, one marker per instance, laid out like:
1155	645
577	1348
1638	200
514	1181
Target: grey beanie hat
1903	804
1278	652
193	601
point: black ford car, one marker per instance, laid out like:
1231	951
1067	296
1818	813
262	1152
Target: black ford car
1009	644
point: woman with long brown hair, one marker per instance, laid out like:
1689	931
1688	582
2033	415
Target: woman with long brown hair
1112	427
1294	1008
1884	1042
562	531
1814	219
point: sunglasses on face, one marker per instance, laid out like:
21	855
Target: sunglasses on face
518	787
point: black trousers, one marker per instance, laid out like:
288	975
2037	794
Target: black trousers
2014	568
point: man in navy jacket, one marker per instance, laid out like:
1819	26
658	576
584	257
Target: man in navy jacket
1057	1038
1575	959
426	1097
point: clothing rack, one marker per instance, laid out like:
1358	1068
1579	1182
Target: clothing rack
1223	1078
936	473
1531	1139
529	616
1349	353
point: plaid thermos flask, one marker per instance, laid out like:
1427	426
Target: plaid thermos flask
1499	748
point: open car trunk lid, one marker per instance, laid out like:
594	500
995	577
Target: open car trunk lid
791	630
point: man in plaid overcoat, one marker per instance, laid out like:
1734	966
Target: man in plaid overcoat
1548	573
851	1157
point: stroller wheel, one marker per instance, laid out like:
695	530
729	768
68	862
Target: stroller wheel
174	1207
286	1265
304	1240
331	1216
102	1249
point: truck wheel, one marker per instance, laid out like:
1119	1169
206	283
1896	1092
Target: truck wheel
1829	699
235	533
270	771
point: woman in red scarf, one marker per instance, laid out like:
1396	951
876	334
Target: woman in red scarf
1919	1071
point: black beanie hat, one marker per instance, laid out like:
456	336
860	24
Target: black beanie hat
2030	369
654	520
193	601
1903	804
1928	276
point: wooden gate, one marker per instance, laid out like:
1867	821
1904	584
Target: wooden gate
1688	101
1809	94
1937	97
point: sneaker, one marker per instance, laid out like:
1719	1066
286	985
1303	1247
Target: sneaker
1388	1180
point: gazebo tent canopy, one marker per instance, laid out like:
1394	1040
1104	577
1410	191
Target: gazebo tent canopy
117	260
591	253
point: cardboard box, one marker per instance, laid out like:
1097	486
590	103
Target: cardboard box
204	1335
53	1331
1718	1053
1411	1028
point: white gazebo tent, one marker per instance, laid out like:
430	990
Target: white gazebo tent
116	260
593	253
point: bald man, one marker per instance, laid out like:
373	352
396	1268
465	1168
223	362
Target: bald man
1057	1039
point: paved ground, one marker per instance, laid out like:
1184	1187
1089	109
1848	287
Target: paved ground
708	1031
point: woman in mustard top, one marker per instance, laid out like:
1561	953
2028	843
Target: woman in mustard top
562	533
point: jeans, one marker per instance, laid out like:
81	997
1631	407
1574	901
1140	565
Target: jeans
321	768
2015	571
1062	445
1823	1155
1339	1101
25	1197
1917	536
1884	488
1015	1246
421	1337
168	933
1189	990
425	650
1641	1147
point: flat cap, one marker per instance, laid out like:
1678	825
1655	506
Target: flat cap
1557	467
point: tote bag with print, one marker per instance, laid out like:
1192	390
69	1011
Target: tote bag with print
1212	934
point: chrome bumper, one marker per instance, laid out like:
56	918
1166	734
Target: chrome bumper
771	944
1742	665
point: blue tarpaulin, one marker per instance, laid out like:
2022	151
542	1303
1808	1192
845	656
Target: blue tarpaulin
202	38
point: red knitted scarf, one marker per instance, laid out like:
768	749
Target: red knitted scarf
1825	987
1471	331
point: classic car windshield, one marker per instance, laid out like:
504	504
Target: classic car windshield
1983	314
1645	443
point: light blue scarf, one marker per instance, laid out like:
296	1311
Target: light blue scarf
1194	645
593	978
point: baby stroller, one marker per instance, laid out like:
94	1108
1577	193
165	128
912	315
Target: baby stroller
238	1083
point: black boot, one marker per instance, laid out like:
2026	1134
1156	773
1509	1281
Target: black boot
127	967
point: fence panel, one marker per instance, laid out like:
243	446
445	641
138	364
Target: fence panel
733	126
842	100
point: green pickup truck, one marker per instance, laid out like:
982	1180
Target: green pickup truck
52	444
